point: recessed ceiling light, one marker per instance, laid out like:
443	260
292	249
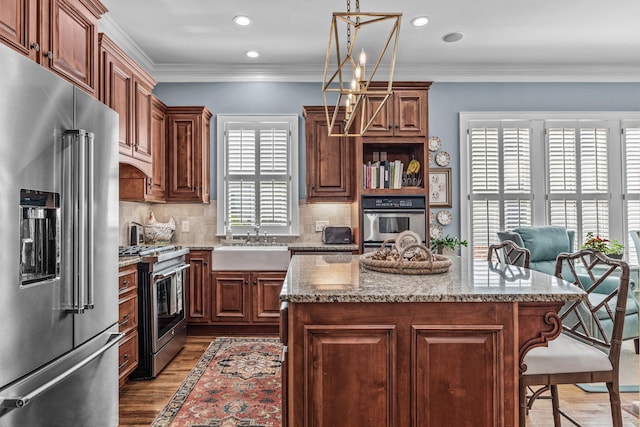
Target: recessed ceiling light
419	21
252	54
242	20
452	37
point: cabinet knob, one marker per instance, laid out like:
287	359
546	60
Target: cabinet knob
49	55
255	281
246	282
206	263
390	127
35	46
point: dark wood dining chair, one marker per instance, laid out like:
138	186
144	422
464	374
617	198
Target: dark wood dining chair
508	252
586	351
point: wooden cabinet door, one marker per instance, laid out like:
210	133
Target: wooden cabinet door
199	284
382	123
188	154
70	44
117	95
142	147
231	301
157	188
18	26
477	366
329	160
350	366
266	287
410	113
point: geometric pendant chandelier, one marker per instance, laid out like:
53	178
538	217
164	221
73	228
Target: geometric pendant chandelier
356	38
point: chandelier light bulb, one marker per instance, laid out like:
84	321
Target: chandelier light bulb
357	73
353	84
363	58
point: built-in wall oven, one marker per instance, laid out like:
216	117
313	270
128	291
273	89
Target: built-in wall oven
162	329
384	217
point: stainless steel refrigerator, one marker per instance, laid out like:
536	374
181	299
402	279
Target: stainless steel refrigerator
58	251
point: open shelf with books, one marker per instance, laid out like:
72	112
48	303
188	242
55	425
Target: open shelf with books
393	166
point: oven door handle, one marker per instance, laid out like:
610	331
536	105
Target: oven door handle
160	275
399	211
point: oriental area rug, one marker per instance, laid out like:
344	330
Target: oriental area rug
235	383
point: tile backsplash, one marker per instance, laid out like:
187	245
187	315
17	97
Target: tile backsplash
203	220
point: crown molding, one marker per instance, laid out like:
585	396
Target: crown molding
110	28
490	73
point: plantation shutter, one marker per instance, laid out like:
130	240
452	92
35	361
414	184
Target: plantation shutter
273	177
258	174
500	157
631	149
578	189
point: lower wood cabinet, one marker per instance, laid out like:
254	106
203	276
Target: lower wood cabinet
198	280
127	321
241	297
401	364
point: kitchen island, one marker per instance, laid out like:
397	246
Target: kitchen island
364	348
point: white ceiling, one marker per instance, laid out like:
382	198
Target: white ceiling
504	40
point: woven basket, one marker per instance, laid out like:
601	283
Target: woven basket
433	263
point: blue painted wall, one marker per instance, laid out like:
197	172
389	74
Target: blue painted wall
446	100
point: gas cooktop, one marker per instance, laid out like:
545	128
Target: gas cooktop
144	250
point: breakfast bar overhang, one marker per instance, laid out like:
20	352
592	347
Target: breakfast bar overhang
364	348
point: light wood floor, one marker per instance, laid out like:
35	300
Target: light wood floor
142	401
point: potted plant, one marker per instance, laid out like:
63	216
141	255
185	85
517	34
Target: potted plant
437	245
611	248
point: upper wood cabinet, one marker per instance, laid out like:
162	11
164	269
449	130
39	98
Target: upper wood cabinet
127	89
405	113
157	184
188	136
61	35
329	160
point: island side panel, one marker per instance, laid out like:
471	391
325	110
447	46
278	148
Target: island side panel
421	361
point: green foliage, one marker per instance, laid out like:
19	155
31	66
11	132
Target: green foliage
606	246
446	242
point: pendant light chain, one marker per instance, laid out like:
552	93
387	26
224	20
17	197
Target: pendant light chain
349	25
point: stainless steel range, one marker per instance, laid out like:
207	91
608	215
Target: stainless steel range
162	329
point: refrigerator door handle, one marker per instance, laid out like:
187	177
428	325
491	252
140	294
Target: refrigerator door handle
89	252
22	401
81	191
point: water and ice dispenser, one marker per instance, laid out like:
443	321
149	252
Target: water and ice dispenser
40	234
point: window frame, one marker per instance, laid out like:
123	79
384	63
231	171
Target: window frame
615	121
254	121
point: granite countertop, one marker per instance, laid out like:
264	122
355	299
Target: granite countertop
125	261
321	247
305	246
310	247
340	278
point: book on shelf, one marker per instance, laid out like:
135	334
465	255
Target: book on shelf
382	174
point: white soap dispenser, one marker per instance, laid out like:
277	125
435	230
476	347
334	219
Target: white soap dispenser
229	234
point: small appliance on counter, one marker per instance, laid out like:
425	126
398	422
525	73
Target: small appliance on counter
337	235
136	234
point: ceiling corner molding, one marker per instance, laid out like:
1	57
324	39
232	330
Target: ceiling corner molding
175	73
110	28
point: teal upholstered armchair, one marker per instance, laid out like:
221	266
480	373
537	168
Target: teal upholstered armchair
545	243
635	236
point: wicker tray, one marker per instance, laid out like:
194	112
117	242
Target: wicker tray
432	263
